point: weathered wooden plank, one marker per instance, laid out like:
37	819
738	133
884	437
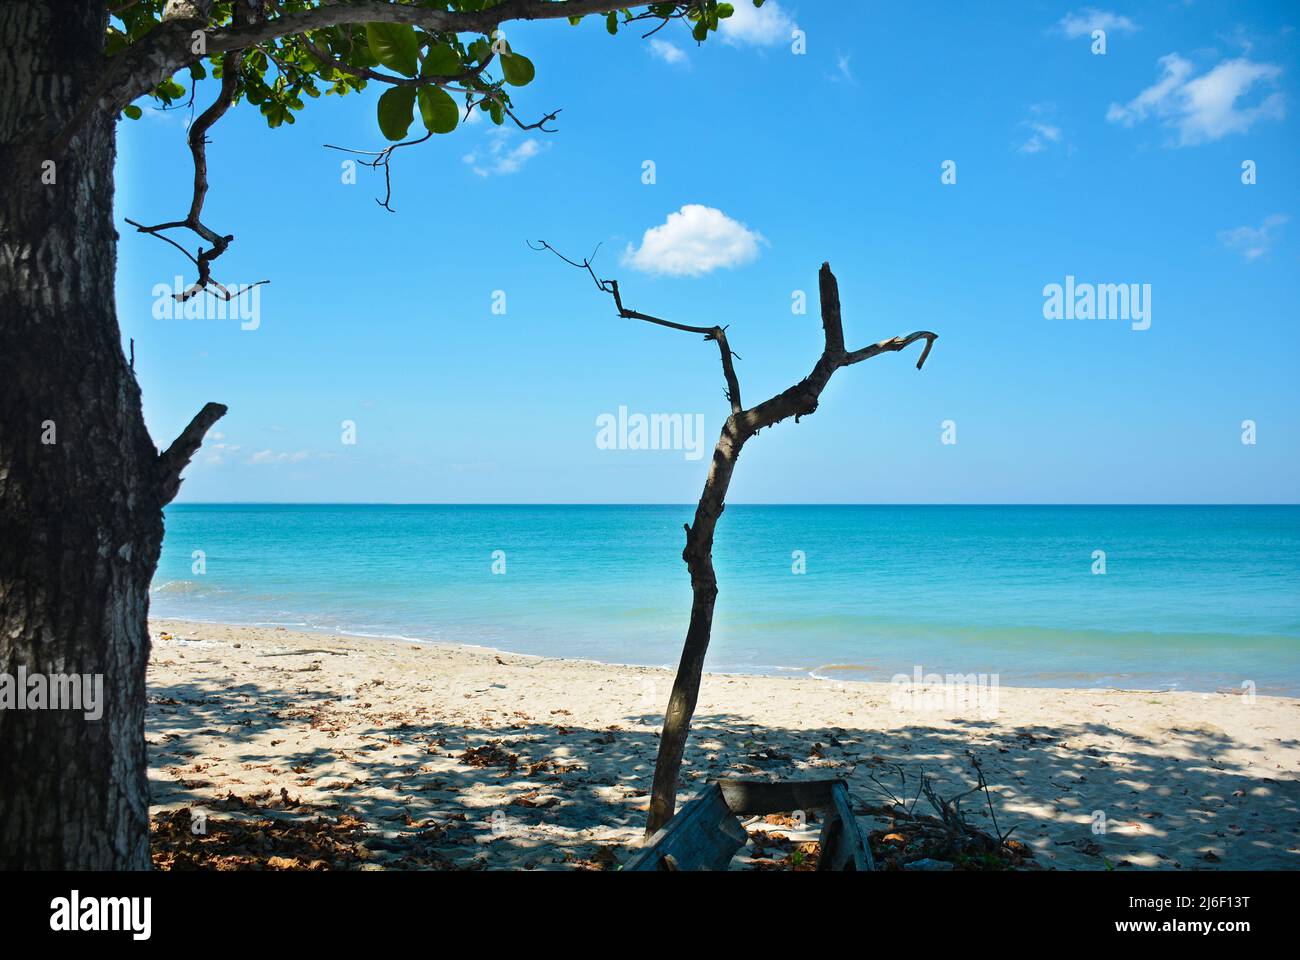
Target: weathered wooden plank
704	835
842	843
759	798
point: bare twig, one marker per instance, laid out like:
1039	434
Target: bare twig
193	220
381	161
715	333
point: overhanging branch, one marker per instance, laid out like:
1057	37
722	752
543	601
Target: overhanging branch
198	141
171	45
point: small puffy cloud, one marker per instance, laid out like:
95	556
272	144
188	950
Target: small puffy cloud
1206	107
754	26
498	157
667	52
1082	23
694	241
1253	242
274	456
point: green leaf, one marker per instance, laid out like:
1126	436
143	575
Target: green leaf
438	110
396	111
394	45
517	68
132	111
441	61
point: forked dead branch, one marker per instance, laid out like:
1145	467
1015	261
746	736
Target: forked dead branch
797	401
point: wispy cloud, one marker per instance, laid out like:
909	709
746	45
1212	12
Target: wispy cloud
1206	107
763	26
1083	22
667	52
216	452
1039	133
1253	242
843	68
694	241
278	456
497	157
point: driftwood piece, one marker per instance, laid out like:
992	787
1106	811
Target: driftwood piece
843	846
748	798
706	834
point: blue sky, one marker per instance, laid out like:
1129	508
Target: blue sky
1117	168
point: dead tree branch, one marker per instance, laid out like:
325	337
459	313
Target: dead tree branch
717	334
743	423
380	162
198	141
177	457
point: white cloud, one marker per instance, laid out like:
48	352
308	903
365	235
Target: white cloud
216	453
1204	108
498	157
1088	19
1253	242
1040	131
1040	135
762	26
694	241
667	52
272	456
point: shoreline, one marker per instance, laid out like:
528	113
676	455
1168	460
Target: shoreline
774	672
466	757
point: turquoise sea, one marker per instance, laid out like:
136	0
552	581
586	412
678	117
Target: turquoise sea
1198	598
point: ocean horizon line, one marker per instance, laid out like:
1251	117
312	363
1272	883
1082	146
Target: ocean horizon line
577	503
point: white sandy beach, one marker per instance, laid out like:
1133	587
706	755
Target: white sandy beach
457	757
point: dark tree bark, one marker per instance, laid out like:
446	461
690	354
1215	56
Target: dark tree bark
81	515
82	486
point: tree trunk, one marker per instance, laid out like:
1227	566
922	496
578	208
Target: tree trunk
704	588
80	487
